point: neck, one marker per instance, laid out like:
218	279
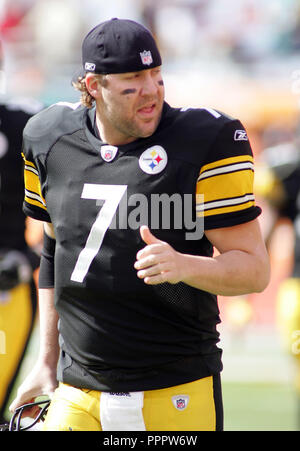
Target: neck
109	134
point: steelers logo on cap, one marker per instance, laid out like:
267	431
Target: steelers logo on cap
153	160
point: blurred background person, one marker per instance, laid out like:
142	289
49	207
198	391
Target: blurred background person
280	186
18	261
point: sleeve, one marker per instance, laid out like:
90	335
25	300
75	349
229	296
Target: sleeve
46	273
224	189
34	204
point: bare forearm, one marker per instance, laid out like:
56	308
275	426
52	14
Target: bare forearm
241	267
42	378
230	274
49	348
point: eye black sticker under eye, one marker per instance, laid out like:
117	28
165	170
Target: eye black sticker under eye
128	91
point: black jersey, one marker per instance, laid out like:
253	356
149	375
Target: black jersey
116	332
14	115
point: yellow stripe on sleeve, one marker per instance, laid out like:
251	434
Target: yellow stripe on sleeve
33	191
231	209
226	162
226	186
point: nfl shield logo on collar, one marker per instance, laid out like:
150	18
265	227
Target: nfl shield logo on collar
108	153
146	57
180	402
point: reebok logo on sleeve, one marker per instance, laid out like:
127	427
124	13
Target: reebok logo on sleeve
240	135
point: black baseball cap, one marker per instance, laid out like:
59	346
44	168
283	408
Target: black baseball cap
119	46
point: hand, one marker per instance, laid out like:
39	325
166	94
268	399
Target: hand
158	262
41	381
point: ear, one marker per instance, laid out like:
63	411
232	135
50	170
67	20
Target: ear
93	86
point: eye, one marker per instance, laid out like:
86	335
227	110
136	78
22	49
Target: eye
133	76
157	71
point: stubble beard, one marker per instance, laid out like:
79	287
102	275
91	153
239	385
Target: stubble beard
132	128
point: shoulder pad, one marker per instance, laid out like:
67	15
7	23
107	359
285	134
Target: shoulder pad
53	122
195	130
206	115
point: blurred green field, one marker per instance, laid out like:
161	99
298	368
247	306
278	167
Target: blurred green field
259	407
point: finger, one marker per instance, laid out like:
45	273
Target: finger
156	279
149	250
147	236
18	402
15	404
153	270
22	399
147	260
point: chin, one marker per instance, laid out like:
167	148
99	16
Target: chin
148	131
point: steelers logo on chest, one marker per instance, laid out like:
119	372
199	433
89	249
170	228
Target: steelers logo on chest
153	160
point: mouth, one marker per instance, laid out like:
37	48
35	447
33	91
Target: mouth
147	110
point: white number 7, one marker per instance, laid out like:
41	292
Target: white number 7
112	195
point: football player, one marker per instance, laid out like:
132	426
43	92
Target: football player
129	340
281	188
17	259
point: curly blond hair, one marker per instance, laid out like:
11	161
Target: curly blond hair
86	98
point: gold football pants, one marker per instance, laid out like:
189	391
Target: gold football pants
288	317
195	406
17	313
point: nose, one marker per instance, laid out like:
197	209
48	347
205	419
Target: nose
149	86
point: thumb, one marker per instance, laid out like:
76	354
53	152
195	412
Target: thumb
147	236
